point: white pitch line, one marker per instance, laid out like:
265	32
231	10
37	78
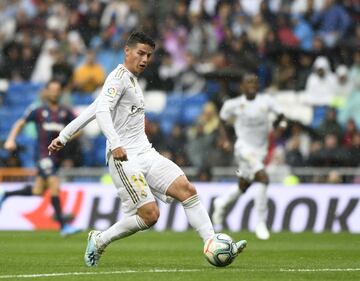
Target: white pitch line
319	269
40	275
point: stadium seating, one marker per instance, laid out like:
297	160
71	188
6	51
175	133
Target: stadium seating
20	95
109	59
181	109
192	107
17	98
78	98
171	113
167	109
319	115
27	150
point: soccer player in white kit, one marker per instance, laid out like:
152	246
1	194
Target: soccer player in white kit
249	115
138	171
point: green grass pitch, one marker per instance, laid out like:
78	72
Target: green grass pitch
178	256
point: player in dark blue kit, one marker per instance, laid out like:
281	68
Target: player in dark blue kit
50	118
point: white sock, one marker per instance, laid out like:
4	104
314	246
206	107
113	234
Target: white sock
229	199
123	228
198	217
261	202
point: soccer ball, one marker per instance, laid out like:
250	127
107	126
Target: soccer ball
220	250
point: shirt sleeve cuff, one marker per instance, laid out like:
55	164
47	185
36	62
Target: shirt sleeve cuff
115	144
63	139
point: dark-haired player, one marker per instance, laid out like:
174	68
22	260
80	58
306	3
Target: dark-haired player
138	171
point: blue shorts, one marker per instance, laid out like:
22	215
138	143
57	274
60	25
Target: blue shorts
46	167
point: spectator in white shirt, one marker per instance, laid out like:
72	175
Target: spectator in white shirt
321	83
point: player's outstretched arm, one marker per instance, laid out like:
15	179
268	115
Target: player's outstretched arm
105	122
10	143
107	127
73	128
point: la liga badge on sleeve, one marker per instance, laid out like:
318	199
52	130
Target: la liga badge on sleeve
111	91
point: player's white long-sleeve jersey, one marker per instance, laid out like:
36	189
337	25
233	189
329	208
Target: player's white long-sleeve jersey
250	119
120	113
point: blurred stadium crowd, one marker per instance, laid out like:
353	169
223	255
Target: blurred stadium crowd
304	49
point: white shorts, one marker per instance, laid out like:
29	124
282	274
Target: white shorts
250	161
141	178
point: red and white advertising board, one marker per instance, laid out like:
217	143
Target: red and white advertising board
309	207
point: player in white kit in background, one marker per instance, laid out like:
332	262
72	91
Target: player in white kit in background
138	171
249	115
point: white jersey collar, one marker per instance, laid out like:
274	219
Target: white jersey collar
130	73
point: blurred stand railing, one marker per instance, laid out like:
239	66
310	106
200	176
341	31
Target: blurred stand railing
16	174
278	174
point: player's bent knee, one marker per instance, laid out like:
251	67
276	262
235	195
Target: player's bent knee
149	214
37	192
189	190
244	184
54	191
151	218
244	188
181	189
262	177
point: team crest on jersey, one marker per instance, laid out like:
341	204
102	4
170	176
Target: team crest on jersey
143	194
111	92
